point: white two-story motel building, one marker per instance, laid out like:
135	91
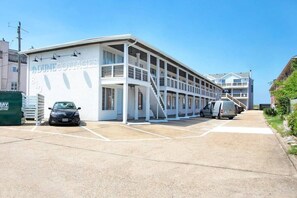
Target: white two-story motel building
117	78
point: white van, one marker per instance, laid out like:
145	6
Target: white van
219	109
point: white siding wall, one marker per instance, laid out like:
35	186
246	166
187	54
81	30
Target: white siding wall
76	79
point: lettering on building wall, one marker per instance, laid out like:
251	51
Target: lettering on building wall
64	66
4	106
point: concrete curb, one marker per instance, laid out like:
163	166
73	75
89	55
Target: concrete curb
285	147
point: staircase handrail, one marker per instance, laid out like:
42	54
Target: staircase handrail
237	101
155	90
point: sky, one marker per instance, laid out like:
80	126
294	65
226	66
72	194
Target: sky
210	36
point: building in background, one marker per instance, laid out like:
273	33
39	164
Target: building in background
286	72
118	78
237	87
9	69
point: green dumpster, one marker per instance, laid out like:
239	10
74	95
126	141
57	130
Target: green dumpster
11	111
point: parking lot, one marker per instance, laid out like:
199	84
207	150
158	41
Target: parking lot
186	158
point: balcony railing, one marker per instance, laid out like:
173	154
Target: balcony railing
117	70
137	73
112	70
181	85
237	95
233	84
171	82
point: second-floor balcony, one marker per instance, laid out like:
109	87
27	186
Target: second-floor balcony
117	71
181	86
245	84
237	95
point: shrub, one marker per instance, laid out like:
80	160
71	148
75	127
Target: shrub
270	111
292	122
293	150
283	105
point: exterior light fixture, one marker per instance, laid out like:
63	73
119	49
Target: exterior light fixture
36	59
54	57
75	54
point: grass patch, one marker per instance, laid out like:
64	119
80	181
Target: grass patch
293	150
277	123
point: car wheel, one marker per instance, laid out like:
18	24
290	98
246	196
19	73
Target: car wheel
218	117
201	114
50	122
230	118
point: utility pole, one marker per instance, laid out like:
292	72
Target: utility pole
19	56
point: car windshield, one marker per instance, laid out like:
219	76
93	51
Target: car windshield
64	105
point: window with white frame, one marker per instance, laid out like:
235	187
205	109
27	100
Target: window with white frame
173	102
120	59
184	102
190	103
169	102
14	69
108	58
107	98
14	86
196	103
140	100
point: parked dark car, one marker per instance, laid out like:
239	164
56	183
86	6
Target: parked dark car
64	113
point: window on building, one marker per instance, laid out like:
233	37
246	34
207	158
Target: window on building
107	98
190	103
196	103
237	80
120	59
140	100
173	102
14	86
184	103
108	57
14	69
168	102
223	81
153	72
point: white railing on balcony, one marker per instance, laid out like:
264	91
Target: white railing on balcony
237	95
171	82
177	84
117	70
137	73
112	70
233	84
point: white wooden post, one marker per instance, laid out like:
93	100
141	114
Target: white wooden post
158	84
193	105
165	84
176	105
147	97
136	103
187	90
125	85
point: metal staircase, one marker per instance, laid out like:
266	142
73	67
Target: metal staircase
157	103
237	102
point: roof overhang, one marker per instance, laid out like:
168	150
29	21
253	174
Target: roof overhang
116	38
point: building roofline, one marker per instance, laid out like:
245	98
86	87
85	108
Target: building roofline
123	37
284	70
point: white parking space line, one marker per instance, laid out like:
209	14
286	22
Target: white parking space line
97	134
147	132
207	132
33	129
135	140
251	130
53	133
